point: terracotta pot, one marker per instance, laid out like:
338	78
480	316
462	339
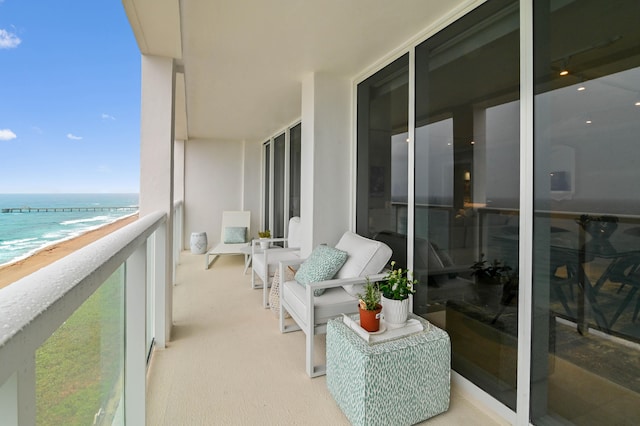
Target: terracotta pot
370	320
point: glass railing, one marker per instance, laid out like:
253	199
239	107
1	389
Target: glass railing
71	333
80	368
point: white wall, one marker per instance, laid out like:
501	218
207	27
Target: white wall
178	170
213	183
252	182
326	159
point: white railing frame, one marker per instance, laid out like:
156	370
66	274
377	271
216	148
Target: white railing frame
32	308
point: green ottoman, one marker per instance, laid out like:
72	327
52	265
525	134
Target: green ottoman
396	382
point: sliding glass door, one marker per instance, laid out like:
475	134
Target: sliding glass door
585	363
467	192
277	227
282	166
383	119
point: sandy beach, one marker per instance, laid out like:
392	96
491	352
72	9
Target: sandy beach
14	271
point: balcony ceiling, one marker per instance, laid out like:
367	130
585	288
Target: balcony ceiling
244	61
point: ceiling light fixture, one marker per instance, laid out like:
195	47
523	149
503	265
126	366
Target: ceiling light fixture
581	88
563	70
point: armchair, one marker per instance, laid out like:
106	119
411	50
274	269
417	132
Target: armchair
366	259
265	261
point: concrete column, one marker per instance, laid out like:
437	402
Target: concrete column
326	185
156	160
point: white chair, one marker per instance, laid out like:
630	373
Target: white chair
265	261
366	259
234	236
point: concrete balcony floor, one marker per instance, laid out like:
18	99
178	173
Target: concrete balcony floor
228	364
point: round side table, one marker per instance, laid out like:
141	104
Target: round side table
199	242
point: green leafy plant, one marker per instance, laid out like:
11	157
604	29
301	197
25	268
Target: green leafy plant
264	234
495	272
397	285
370	298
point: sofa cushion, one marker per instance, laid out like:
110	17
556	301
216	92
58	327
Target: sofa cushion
333	302
321	265
366	257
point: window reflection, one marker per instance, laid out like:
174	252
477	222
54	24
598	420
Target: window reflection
467	192
587	228
383	157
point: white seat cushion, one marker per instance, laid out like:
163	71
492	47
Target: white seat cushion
334	302
366	257
223	248
275	257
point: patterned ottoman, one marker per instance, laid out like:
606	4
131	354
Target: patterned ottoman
397	382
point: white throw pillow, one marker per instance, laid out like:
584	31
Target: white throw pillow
365	257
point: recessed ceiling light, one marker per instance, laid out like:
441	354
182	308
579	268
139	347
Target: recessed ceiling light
581	88
473	142
564	72
637	103
588	121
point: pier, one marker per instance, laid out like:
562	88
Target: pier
67	209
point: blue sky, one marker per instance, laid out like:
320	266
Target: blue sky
69	97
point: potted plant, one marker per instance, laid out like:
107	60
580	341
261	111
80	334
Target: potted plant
370	307
488	273
496	280
264	235
395	295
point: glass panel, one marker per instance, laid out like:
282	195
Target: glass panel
295	149
467	192
80	368
586	333
267	185
278	186
382	157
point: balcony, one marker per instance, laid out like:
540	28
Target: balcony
226	361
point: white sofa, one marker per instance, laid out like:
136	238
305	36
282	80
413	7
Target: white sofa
365	258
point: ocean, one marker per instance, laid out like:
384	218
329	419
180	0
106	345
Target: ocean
22	234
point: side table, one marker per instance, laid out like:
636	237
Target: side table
396	382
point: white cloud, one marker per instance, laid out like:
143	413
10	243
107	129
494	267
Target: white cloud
107	117
8	40
7	135
73	137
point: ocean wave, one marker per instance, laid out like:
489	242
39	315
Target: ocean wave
21	241
55	235
89	219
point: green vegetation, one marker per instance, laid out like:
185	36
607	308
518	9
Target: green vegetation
79	369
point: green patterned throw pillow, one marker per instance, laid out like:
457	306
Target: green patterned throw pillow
235	235
323	264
